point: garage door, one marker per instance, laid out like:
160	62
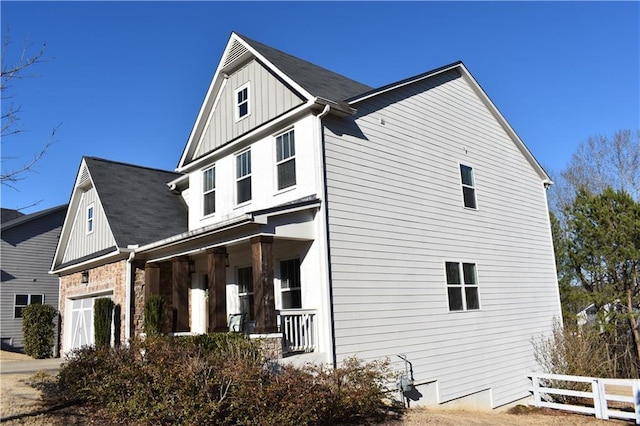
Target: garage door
82	322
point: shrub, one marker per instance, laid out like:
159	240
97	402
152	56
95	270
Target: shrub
584	351
154	315
220	379
102	314
37	330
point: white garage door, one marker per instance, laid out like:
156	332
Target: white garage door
82	322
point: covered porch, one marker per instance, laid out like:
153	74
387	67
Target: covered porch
261	285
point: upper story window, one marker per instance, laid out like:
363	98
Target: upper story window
243	176
242	102
290	286
90	212
245	291
286	159
209	190
468	186
462	286
24	300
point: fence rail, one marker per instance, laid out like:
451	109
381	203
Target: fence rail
298	327
603	391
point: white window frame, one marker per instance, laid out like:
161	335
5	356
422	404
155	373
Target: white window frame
463	285
29	296
238	104
290	289
249	316
291	157
471	186
91	215
209	191
247	175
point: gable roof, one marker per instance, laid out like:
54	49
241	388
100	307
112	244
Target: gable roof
7	215
312	82
137	202
23	218
318	81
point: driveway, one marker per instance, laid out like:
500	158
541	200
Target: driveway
13	363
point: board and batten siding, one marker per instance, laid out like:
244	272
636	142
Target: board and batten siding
396	215
80	242
27	250
269	98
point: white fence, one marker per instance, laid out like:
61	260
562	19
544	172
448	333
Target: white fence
298	327
623	393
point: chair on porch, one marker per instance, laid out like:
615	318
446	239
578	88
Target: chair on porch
236	322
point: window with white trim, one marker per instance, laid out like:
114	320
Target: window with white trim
242	102
286	159
468	186
209	191
462	286
243	177
245	291
90	212
21	301
290	286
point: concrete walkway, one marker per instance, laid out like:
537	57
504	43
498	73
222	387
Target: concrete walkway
30	366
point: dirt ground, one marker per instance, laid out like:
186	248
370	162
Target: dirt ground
20	404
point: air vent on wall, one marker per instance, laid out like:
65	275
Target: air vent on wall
237	50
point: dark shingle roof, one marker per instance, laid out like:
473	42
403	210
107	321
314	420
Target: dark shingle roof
316	80
22	218
138	204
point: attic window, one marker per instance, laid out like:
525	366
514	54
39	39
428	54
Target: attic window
90	211
242	102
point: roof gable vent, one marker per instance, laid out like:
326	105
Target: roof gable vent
237	49
83	176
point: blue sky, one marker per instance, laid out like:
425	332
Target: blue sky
126	80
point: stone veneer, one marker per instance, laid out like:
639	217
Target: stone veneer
105	279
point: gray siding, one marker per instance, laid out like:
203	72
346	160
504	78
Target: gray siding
396	215
268	98
82	244
27	252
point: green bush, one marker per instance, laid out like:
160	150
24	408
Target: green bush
102	315
37	330
154	315
221	379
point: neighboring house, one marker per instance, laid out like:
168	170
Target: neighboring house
28	244
333	220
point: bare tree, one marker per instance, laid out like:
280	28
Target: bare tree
14	169
598	163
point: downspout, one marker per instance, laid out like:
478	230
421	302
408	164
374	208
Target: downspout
327	271
127	297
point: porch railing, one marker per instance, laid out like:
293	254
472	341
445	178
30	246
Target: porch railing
298	327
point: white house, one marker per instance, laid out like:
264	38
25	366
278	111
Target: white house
332	219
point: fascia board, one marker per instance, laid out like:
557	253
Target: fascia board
483	97
505	125
74	201
256	132
215	86
74	205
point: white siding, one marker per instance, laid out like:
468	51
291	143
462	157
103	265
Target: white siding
265	193
81	243
268	99
396	215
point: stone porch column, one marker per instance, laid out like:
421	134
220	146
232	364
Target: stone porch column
180	296
217	272
263	293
